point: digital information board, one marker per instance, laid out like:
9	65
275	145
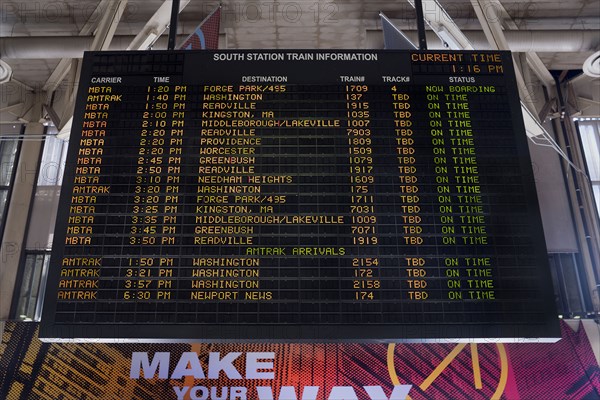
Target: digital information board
298	196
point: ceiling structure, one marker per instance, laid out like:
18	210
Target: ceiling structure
41	41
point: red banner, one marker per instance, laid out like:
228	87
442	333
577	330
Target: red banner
206	35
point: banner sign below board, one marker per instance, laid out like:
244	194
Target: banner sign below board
31	369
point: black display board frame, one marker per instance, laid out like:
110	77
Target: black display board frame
245	67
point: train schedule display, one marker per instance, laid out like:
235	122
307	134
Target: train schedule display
298	195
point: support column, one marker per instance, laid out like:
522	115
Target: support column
581	200
13	241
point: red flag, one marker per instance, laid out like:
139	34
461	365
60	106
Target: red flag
206	35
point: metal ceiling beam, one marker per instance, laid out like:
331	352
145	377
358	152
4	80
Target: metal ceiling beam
520	41
442	24
491	24
587	107
533	60
12	107
539	69
15	99
103	36
111	11
108	25
64	64
69	99
155	26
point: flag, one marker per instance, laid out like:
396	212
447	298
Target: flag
394	38
206	35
